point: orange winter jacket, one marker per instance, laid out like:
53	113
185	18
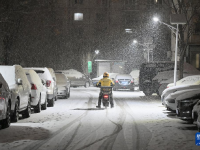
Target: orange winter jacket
105	82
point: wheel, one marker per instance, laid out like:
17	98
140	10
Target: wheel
114	89
27	113
132	89
15	116
190	121
147	92
6	122
51	102
87	84
44	106
37	109
69	93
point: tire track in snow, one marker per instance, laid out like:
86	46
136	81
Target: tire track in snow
109	139
38	144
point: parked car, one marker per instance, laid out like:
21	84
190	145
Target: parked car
171	99
135	76
45	74
38	91
96	80
21	91
63	84
184	109
148	71
5	103
194	79
54	78
124	81
76	78
196	111
173	89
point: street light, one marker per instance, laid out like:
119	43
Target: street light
175	30
146	47
96	52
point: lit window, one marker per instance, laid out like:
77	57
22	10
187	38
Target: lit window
78	16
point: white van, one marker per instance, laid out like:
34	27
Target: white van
45	74
5	103
38	91
21	90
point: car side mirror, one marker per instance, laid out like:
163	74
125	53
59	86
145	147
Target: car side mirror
19	81
54	79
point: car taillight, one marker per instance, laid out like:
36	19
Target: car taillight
132	82
33	87
48	83
116	81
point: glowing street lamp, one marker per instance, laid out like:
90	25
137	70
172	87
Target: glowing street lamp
175	30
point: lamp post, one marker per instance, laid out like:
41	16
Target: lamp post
146	48
175	30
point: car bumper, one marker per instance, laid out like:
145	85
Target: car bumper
62	93
118	86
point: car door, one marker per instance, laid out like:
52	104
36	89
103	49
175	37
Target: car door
25	88
2	102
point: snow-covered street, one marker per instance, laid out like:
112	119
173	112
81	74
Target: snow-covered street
136	122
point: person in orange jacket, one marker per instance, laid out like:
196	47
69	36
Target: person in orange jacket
106	81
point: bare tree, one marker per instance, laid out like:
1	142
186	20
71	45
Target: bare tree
190	9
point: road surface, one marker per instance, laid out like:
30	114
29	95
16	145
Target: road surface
136	122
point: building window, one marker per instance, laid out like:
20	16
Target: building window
197	61
157	1
78	1
78	16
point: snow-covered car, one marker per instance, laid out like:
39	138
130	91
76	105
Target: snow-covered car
63	84
45	74
135	76
5	103
194	79
196	111
54	78
173	89
171	99
76	78
123	81
38	91
185	109
96	80
20	91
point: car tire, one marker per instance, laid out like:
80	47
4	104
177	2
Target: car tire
114	89
87	84
44	106
147	92
132	89
190	121
6	122
51	102
27	112
15	116
37	109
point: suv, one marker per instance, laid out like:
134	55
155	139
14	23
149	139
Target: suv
38	91
54	78
20	89
124	81
5	103
148	71
45	74
76	78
